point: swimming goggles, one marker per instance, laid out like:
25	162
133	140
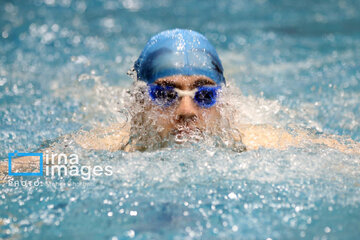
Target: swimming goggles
204	96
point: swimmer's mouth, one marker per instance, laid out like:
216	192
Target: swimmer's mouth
186	130
184	134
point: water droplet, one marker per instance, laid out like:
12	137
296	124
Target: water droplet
131	233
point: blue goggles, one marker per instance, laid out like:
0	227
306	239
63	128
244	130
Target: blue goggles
204	96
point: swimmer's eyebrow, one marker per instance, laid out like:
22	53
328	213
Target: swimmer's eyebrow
202	82
198	83
168	84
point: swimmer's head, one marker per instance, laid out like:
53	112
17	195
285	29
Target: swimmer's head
178	52
183	76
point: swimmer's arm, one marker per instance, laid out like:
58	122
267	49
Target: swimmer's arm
255	136
100	139
112	138
109	140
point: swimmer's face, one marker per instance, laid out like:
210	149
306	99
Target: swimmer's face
184	116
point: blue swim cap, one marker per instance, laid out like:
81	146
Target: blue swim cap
178	52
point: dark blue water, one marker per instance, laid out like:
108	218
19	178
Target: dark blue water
300	55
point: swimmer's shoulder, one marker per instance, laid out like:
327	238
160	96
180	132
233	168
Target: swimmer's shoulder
112	138
268	136
264	135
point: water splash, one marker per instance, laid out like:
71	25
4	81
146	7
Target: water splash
294	63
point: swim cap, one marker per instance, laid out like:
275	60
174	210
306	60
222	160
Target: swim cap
178	52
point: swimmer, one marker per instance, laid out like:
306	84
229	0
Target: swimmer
176	99
179	81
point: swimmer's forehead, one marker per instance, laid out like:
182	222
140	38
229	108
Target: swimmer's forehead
181	81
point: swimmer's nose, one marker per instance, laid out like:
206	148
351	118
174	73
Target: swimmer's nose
186	110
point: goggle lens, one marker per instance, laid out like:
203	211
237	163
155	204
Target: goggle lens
206	96
162	95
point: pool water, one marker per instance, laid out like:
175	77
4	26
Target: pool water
63	66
